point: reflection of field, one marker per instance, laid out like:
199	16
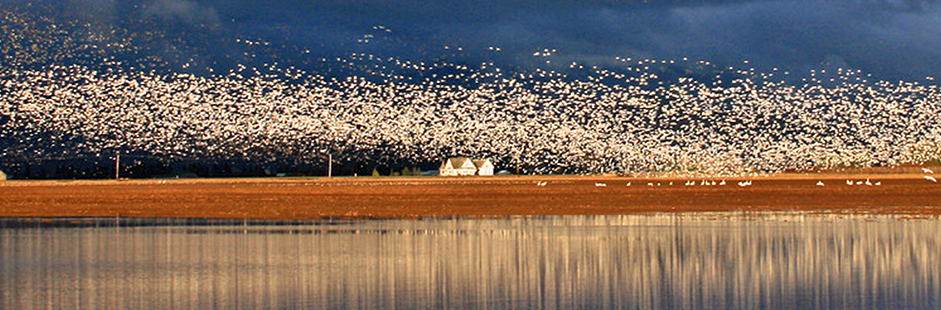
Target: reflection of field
299	198
668	261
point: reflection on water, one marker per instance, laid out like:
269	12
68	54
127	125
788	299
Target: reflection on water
775	261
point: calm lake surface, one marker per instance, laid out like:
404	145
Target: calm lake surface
714	261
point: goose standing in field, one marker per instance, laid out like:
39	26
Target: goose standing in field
819	183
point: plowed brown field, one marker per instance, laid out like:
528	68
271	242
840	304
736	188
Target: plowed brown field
306	198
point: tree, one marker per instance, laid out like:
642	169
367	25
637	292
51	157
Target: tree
406	172
375	172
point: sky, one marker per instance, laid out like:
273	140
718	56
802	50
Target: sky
894	39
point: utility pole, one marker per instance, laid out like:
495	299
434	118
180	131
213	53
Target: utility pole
117	166
329	165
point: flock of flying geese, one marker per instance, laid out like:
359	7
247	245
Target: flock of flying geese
544	125
623	118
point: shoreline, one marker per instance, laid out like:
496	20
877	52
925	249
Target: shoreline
301	198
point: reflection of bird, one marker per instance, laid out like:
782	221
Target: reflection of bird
931	178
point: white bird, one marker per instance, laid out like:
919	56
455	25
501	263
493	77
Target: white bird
879	183
543	183
849	182
722	183
868	183
628	183
926	170
601	185
930	178
819	183
649	184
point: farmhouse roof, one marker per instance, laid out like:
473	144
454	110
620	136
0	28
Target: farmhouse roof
458	162
480	163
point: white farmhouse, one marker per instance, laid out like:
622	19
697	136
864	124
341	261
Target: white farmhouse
484	167
463	166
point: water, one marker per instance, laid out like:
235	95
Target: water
717	261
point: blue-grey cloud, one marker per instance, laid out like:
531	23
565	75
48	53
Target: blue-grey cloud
890	38
182	11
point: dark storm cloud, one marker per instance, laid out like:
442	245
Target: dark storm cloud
891	38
